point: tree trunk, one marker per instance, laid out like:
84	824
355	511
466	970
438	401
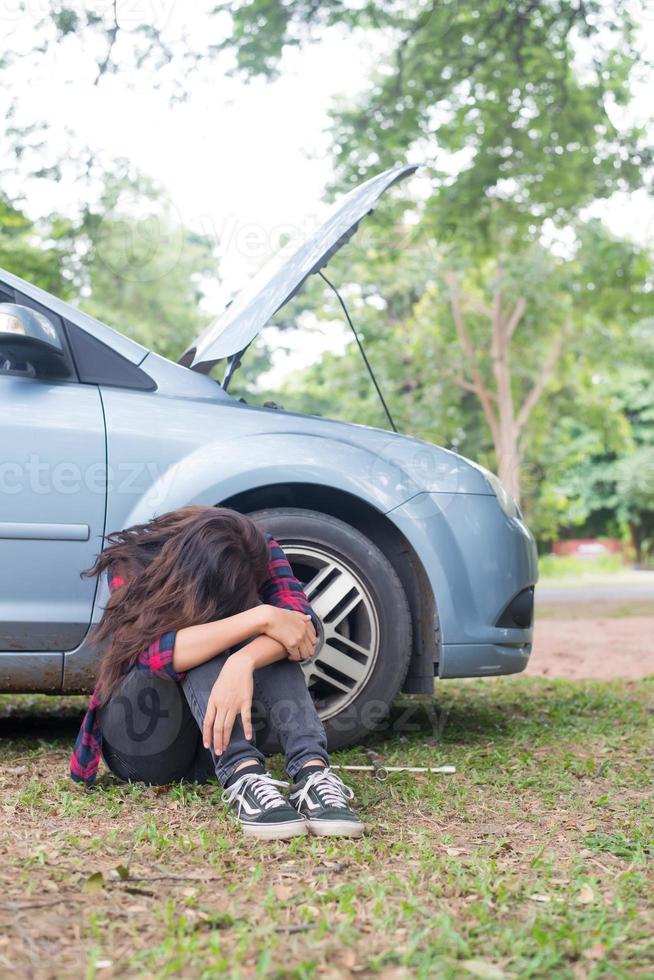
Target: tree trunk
506	446
636	542
505	424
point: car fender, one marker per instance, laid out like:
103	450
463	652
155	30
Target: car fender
220	469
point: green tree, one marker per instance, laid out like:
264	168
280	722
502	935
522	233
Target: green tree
635	494
34	251
513	106
524	92
139	268
486	336
127	260
608	485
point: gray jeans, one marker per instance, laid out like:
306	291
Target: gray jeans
152	727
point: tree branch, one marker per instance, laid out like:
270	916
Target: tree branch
479	307
515	317
462	382
480	388
541	383
112	34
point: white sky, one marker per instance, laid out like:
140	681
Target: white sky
242	162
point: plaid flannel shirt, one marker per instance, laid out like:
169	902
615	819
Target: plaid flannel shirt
281	588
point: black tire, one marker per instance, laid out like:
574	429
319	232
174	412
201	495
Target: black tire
380	619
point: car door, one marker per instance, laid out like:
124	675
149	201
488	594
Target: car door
52	501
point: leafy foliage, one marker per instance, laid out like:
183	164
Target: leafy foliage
142	271
127	260
33	252
523	96
611	484
518	110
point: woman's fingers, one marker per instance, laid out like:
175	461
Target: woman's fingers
218	725
228	725
305	649
207	728
219	728
304	646
246	719
310	640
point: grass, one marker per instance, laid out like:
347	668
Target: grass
594	609
534	860
556	567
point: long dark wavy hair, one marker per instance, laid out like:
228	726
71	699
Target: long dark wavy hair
189	566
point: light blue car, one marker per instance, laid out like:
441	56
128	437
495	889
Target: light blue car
416	560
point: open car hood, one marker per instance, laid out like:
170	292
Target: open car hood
280	278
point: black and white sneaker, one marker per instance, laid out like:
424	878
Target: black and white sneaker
261	809
322	799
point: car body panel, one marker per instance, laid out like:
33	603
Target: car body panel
202	446
477	560
212	452
281	278
38	673
207	452
52	495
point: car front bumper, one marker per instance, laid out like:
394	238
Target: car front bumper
478	561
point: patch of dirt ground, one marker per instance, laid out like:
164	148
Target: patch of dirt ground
593	648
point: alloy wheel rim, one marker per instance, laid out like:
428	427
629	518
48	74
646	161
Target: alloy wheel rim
349	641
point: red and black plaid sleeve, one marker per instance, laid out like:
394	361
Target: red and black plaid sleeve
281	587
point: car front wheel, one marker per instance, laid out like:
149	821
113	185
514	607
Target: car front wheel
365	642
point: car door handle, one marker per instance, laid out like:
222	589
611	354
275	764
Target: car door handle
44	532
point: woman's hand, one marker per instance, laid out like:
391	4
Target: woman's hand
294	630
230	696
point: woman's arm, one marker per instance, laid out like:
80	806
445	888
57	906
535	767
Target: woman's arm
285	628
195	645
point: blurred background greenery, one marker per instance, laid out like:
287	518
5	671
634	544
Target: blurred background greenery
504	318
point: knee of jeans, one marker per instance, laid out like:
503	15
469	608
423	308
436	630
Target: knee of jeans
285	714
258	715
283	673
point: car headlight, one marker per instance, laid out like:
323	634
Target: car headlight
505	499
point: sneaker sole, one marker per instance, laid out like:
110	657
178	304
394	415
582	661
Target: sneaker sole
335	828
275	831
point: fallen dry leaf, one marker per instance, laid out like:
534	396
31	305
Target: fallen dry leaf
282	892
347	959
586	895
94	883
483	968
595	952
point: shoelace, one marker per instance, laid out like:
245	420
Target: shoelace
264	788
331	789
